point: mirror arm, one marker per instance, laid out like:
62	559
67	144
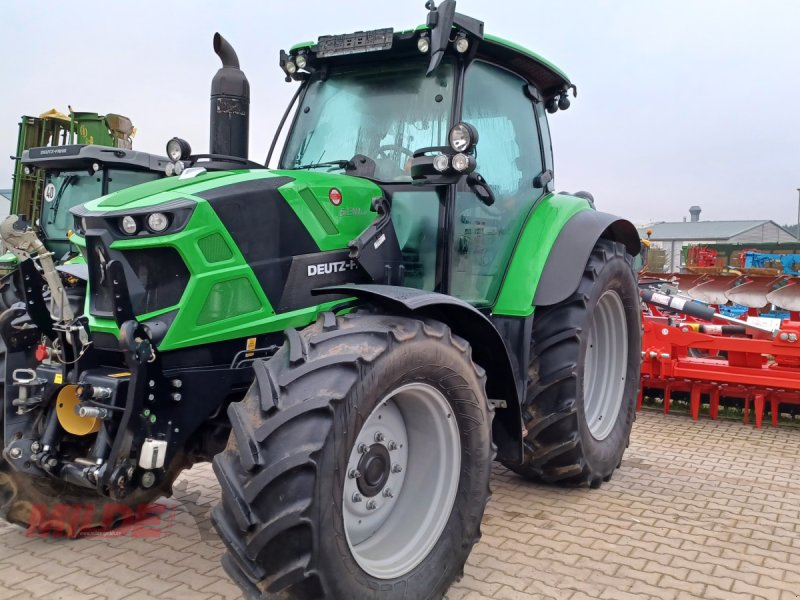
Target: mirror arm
482	190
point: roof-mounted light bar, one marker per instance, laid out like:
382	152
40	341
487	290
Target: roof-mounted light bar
355	43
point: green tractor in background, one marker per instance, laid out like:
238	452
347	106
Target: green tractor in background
351	337
54	129
61	162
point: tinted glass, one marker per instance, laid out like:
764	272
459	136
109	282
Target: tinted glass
119	180
509	157
63	190
415	215
385	114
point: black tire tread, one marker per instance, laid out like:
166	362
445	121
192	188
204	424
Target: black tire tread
252	529
552	448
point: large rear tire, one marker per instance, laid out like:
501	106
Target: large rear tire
584	376
358	464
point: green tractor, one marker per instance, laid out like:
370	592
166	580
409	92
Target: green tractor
61	162
351	337
74	174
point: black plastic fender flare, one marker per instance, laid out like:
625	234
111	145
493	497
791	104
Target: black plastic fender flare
488	349
567	259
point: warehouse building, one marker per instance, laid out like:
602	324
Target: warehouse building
672	237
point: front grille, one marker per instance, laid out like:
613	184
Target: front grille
102	292
156	279
163	275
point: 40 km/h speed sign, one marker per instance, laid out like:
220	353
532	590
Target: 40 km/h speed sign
49	192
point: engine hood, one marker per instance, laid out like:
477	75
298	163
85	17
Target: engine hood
155	193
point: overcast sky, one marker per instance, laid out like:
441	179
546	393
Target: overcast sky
680	102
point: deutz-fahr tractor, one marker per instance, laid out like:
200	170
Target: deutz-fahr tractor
351	337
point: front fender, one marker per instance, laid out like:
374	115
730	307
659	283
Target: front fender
488	348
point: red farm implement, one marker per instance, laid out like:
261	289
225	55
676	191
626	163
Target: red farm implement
690	348
741	280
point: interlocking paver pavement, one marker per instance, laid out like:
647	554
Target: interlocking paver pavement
698	510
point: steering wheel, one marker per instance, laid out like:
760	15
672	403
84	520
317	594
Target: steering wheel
383	151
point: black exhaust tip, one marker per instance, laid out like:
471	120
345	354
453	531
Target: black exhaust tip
230	104
225	52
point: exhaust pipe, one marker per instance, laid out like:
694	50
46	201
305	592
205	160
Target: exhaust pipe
230	104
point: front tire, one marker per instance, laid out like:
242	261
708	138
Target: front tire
359	463
584	376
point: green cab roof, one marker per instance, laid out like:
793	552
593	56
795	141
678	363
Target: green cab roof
539	71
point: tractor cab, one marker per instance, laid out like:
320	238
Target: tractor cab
451	127
74	174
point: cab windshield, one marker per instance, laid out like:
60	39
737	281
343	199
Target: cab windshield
384	113
62	191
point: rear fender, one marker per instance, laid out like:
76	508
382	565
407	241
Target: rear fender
488	348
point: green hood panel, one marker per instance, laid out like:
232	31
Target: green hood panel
223	297
134	194
150	193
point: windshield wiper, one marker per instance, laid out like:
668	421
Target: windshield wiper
68	180
332	163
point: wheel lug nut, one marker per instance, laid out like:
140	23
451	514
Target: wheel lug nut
387	493
15	452
396	468
371	505
362	448
354	474
379	437
392	445
356	497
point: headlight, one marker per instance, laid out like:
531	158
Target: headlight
463	163
128	225
423	44
301	61
291	68
178	149
157	222
178	168
461	44
441	163
169	169
463	137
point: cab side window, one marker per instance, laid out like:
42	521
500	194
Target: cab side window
508	153
509	157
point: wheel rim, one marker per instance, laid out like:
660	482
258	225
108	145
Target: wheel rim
605	366
394	516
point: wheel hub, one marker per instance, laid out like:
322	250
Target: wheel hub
401	480
375	466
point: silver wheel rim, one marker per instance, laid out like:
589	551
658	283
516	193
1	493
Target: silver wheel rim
391	533
605	365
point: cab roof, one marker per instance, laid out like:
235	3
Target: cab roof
78	156
538	71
